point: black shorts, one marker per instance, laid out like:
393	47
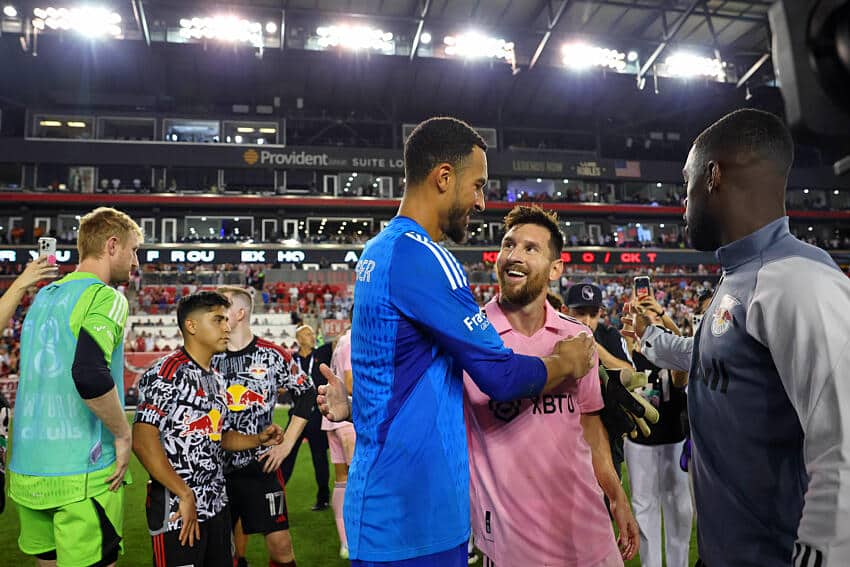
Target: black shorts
258	499
214	549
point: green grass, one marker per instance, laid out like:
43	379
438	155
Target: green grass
313	533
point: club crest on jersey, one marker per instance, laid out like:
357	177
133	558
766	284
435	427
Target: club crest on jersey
506	411
721	319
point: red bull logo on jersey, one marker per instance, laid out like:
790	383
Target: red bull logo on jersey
240	398
258	371
208	424
721	320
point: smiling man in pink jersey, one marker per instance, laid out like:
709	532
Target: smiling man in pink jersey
537	464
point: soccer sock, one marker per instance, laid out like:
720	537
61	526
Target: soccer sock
336	502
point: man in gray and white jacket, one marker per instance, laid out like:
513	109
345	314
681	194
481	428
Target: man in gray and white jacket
768	400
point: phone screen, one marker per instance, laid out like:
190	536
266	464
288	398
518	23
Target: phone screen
643	288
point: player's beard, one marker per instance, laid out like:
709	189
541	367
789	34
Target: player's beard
703	230
522	295
457	220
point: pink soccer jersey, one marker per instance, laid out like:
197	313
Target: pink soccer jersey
535	499
340	362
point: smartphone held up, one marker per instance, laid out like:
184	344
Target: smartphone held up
47	248
642	288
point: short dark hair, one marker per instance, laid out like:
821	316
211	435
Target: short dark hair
522	214
201	300
750	131
438	140
592	310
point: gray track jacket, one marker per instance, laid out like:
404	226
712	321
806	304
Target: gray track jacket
769	403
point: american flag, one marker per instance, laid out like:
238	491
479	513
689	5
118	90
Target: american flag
627	168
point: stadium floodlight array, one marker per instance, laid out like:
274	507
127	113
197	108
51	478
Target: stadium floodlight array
224	28
477	45
355	37
687	65
90	21
580	55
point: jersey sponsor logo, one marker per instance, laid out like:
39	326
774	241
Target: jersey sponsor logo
364	270
208	424
715	376
540	405
478	320
721	320
240	398
553	403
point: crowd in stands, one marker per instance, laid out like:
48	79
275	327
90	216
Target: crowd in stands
677	295
311	303
834	243
666	240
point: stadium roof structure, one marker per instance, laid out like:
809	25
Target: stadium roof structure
735	32
562	64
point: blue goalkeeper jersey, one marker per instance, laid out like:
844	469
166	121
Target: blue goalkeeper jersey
416	328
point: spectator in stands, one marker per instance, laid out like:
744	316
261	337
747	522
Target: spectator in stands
658	483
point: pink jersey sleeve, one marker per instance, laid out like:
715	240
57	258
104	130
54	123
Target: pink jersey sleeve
341	358
345	355
590	392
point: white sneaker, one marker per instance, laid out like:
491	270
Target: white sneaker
343	552
471	558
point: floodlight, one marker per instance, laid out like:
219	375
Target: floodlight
476	45
224	28
90	21
355	37
583	56
685	64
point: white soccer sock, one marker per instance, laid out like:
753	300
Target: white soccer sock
336	503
